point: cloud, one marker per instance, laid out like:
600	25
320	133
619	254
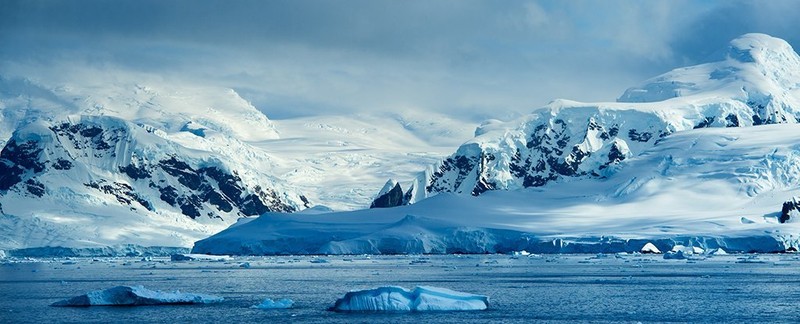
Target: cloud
467	58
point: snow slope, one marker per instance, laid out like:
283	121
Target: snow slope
756	83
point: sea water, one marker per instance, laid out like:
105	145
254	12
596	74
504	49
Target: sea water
525	289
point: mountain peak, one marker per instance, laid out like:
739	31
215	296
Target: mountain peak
755	66
759	48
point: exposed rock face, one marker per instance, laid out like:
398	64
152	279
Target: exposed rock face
392	198
544	148
140	170
790	209
392	195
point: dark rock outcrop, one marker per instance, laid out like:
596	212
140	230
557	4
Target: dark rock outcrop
393	198
789	208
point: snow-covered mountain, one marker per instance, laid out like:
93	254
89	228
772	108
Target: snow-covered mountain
100	180
176	131
704	156
110	159
756	83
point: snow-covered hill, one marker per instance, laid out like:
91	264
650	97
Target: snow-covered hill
708	188
92	181
756	83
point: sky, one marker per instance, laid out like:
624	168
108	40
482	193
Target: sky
464	58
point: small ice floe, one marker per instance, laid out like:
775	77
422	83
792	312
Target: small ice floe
517	254
268	303
681	252
135	296
750	259
399	299
688	249
650	248
199	257
675	255
319	260
245	265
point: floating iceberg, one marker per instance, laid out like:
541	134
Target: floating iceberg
675	255
273	304
650	248
135	296
392	299
718	251
688	249
200	257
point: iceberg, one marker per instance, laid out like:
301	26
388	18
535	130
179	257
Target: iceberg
650	248
718	251
419	299
675	255
199	257
135	296
274	304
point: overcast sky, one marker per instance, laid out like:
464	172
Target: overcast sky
474	59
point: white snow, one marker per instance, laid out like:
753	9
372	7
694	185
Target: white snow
274	304
392	299
135	296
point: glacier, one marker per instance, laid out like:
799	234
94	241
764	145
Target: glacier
419	299
135	296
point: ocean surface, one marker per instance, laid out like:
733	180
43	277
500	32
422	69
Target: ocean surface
546	289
